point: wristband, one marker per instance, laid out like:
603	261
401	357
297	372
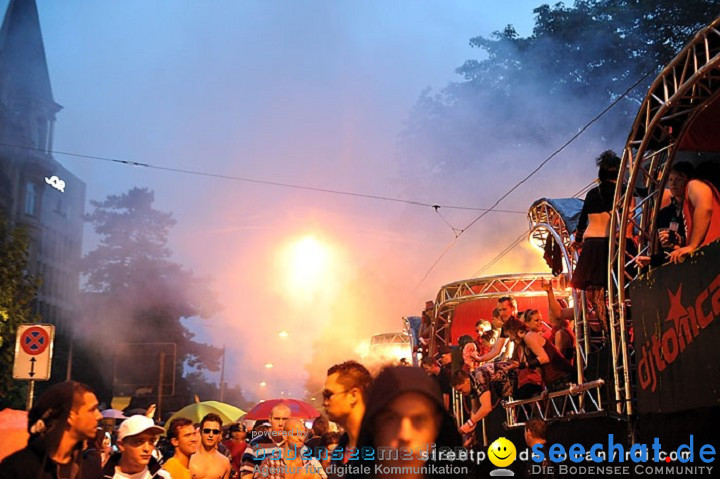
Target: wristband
533	363
470	423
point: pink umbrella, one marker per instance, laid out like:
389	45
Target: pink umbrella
13	431
113	414
299	409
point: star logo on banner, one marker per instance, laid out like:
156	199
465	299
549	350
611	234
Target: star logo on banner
677	310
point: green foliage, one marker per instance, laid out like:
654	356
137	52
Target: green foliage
135	292
532	93
18	290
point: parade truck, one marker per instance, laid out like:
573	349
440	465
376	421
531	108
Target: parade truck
388	349
658	359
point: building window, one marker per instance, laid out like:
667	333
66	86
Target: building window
30	196
42	134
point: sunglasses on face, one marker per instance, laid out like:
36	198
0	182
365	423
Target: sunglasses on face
211	431
327	394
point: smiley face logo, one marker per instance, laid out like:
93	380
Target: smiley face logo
502	452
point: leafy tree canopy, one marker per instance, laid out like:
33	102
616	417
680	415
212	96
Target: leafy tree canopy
534	91
18	290
134	291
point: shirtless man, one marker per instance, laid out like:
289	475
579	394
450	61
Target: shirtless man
208	462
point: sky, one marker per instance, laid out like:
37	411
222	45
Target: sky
310	93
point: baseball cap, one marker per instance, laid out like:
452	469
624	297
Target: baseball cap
137	424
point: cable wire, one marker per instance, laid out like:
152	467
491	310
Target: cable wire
519	239
255	180
533	172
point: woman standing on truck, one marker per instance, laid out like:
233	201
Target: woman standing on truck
593	235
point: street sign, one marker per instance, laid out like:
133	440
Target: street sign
33	351
144	369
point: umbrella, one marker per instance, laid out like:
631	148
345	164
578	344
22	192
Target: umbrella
299	409
196	411
113	414
13	431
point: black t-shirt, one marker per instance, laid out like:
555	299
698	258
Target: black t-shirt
443	380
671	214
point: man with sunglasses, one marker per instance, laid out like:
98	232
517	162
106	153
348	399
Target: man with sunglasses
208	462
502	348
137	437
344	398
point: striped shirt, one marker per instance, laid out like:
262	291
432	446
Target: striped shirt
259	448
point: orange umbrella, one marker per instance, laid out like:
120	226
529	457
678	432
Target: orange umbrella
13	431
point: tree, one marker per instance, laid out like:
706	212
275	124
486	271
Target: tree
18	291
134	292
529	94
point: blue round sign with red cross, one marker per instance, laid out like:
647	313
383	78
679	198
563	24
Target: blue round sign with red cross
34	340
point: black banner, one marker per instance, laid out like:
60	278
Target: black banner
676	317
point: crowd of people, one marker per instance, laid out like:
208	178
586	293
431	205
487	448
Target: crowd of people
402	409
515	355
408	409
391	425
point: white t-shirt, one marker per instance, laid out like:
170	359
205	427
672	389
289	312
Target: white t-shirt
144	474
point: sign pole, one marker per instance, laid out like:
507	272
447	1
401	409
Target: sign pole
222	377
31	394
160	384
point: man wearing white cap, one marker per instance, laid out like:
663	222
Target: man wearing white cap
137	437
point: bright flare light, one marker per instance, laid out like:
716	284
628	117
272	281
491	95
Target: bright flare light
268	365
263	384
283	334
307	265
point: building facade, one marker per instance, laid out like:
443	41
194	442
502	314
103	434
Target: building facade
36	191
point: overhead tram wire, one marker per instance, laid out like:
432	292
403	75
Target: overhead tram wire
532	173
522	236
435	206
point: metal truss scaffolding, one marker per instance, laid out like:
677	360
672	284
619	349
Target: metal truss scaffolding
682	91
450	295
582	400
546	222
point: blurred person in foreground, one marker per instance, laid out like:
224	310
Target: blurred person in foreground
208	462
295	459
267	444
63	418
344	399
184	439
137	437
404	422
